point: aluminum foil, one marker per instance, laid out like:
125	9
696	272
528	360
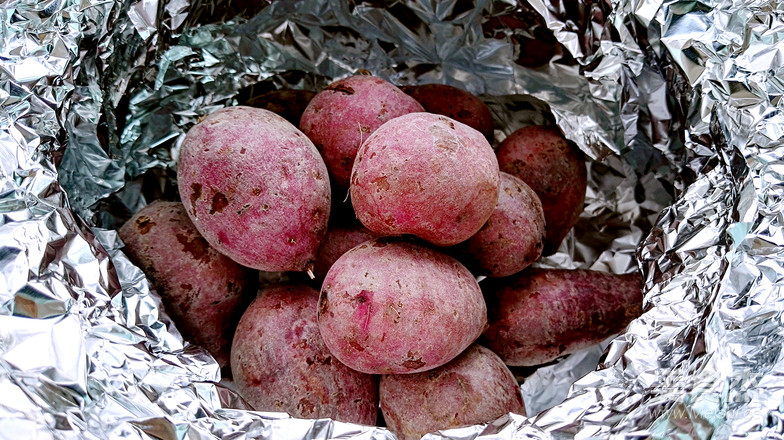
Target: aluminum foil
676	104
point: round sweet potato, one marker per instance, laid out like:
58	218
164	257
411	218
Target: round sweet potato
555	169
389	306
541	314
279	362
454	103
341	116
512	238
476	387
256	188
425	175
201	289
338	241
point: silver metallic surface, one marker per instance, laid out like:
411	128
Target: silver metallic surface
678	106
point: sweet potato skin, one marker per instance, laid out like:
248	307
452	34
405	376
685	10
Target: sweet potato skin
425	175
256	188
163	242
338	241
541	314
555	169
344	114
279	361
391	306
476	387
512	238
455	103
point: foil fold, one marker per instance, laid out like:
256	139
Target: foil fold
677	106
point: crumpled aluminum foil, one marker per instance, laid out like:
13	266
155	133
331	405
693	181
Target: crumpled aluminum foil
677	104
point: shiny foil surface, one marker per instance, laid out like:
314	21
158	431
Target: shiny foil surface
677	106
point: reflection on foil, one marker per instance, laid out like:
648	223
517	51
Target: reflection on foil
667	99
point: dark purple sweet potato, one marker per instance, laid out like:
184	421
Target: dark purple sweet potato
288	103
454	103
344	114
476	387
256	188
389	306
425	175
279	361
201	289
512	238
555	169
541	314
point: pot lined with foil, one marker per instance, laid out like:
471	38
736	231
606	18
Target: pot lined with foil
676	104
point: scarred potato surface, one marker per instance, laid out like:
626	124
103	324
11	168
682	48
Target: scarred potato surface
513	236
389	306
344	114
201	289
256	188
555	169
425	175
476	387
279	362
541	314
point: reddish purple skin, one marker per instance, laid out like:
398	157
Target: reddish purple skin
425	175
513	236
256	188
555	169
279	362
454	103
476	387
201	289
389	306
343	115
542	314
338	241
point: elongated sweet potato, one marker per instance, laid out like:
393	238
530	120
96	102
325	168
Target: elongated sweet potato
201	289
541	314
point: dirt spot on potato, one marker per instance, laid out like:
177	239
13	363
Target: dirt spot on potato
341	88
413	361
305	407
256	191
323	303
381	183
196	188
219	201
143	224
196	246
356	346
186	286
242	150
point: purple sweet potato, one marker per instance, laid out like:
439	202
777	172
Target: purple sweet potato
425	175
476	387
512	238
338	241
541	314
341	116
279	361
555	169
454	103
256	188
389	306
201	289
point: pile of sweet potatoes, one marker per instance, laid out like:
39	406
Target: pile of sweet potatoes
394	315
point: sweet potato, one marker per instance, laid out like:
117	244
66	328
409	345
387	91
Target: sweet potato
475	387
512	238
555	169
201	289
338	241
541	314
425	175
454	103
279	362
288	103
341	116
256	188
390	306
